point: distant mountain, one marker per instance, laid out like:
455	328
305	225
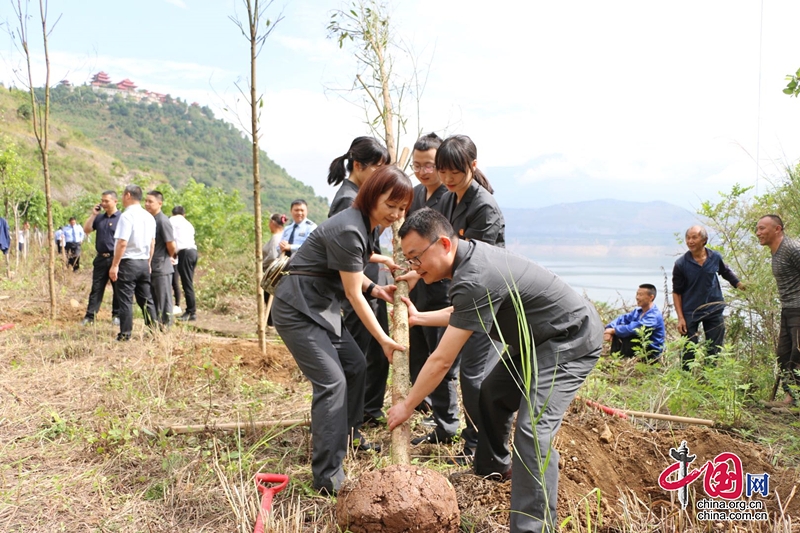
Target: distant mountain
598	227
104	141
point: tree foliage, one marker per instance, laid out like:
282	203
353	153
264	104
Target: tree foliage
754	313
793	87
367	25
18	179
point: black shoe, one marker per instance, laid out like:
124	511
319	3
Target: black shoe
431	438
325	491
186	317
500	478
371	421
123	337
466	458
87	322
424	408
361	445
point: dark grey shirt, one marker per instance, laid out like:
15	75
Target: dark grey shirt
486	279
161	263
477	216
341	243
343	198
421	200
434	296
786	269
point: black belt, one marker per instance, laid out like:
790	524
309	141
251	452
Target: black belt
309	273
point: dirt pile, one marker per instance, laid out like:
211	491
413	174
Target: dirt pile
398	499
624	467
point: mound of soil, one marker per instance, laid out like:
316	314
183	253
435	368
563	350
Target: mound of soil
624	466
398	499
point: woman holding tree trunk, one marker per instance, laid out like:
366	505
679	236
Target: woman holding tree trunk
328	269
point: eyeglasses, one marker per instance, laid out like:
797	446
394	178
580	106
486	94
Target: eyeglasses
415	261
427	168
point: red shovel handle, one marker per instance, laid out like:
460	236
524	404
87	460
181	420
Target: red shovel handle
607	410
268	493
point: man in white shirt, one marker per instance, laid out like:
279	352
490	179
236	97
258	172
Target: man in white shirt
183	231
135	239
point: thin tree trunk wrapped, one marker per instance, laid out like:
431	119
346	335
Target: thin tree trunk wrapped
401	378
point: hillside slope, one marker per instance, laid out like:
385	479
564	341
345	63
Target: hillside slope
104	142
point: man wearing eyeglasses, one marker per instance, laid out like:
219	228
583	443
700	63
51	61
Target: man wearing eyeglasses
492	290
443	401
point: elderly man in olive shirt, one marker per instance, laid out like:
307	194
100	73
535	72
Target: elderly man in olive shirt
786	269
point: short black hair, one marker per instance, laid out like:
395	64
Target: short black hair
157	195
429	141
178	210
299	201
650	288
430	224
112	194
775	218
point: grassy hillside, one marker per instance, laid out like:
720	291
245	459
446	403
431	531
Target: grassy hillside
101	142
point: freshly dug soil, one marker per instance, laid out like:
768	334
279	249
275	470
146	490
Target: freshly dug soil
398	499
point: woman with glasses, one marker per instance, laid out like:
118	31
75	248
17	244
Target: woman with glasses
443	401
474	214
326	270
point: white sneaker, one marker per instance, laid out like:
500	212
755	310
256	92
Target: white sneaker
177	310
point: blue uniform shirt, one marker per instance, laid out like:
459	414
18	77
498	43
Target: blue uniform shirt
302	232
73	233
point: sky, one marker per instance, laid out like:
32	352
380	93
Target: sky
566	101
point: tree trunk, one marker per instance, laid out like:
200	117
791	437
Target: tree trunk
388	112
252	15
401	377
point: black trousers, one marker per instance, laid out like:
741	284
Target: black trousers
377	364
176	287
789	351
187	260
100	279
134	281
73	250
714	330
627	348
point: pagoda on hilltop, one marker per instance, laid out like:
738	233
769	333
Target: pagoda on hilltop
100	79
126	85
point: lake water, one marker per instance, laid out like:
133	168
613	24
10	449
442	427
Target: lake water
612	280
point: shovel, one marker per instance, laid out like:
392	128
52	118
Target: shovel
268	492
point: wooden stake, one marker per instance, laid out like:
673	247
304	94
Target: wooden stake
232	426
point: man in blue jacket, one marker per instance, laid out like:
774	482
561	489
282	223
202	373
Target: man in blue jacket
697	294
644	323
